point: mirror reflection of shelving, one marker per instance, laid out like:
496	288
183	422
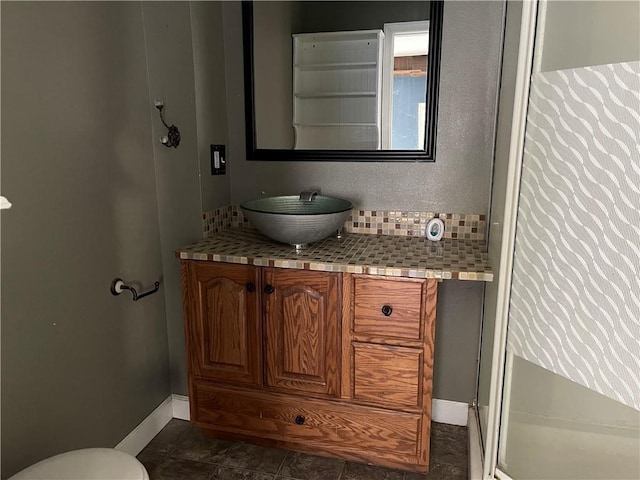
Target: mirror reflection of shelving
337	85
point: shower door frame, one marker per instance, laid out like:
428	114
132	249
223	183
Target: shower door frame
524	70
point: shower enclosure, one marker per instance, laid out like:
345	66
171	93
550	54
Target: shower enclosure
559	378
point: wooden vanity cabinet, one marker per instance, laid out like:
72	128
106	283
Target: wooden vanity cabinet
319	362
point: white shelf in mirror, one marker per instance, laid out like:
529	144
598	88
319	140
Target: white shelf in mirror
337	83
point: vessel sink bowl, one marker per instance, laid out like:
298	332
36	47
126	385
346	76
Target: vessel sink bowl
296	221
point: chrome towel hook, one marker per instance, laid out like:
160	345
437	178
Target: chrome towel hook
118	286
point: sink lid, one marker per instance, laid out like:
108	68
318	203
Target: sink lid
292	205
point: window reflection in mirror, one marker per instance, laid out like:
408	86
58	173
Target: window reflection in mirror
404	85
340	76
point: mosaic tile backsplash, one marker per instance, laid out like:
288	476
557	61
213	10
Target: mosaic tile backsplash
380	222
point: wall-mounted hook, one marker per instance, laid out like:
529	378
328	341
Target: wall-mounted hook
172	138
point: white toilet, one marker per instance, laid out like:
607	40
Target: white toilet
86	464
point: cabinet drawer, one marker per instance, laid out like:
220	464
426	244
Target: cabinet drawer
327	426
387	376
402	297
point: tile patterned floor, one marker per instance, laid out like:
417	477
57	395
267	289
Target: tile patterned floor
180	451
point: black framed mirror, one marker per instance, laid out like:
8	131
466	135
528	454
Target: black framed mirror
325	91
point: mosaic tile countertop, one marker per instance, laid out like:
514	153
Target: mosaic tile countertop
385	255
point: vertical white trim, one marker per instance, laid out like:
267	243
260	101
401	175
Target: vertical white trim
180	407
475	446
147	429
540	29
506	406
386	90
521	100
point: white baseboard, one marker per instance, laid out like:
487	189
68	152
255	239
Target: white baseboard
148	428
180	406
446	411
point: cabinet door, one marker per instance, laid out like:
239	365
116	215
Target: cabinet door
302	321
222	322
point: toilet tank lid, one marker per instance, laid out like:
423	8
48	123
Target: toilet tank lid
86	464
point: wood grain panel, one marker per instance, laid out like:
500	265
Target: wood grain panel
225	322
302	331
398	342
404	296
387	376
303	353
332	424
347	315
429	336
222	322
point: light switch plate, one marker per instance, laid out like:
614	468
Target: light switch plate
218	160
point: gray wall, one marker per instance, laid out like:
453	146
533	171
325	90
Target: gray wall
459	180
186	70
97	196
211	100
80	367
171	79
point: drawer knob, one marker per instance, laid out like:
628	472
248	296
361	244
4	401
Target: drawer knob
251	287
268	289
300	419
387	310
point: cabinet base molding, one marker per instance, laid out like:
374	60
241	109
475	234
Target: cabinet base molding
443	411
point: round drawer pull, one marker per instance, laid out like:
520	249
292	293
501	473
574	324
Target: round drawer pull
300	419
251	287
387	310
269	289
